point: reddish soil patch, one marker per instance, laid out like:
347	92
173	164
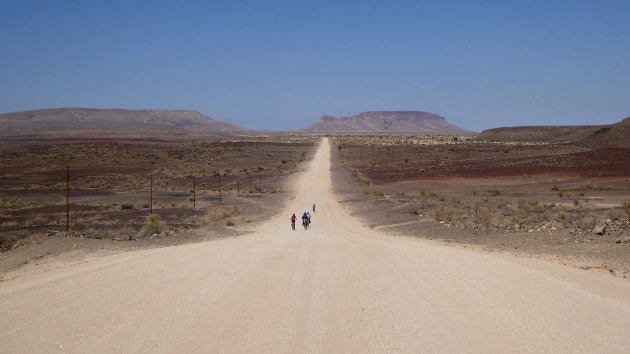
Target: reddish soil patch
596	163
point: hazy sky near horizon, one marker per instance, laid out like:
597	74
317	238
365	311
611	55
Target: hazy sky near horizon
282	64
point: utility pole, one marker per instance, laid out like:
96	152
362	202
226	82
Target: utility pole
194	194
220	199
151	200
67	199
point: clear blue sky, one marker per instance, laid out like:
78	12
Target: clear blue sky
282	64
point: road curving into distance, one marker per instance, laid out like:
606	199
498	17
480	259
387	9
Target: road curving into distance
337	287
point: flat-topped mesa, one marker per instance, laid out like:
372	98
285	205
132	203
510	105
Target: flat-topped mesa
386	121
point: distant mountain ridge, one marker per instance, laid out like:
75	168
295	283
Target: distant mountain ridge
599	136
559	133
614	135
386	121
118	121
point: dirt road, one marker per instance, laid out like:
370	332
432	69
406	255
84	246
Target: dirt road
337	287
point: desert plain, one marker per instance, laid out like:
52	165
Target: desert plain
529	196
199	188
554	200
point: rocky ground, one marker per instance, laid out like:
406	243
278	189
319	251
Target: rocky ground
460	190
110	199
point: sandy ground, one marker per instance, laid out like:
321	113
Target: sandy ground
337	287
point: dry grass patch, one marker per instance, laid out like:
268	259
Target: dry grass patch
218	214
153	225
26	241
15	203
442	213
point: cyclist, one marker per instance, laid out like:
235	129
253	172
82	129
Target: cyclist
313	207
293	221
305	220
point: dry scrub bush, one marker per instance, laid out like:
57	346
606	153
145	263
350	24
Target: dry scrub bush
26	241
153	224
481	215
444	214
217	214
38	220
475	209
523	206
48	201
126	206
422	196
363	178
12	203
625	206
8	223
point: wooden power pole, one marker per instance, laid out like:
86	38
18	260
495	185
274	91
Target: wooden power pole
67	199
151	198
